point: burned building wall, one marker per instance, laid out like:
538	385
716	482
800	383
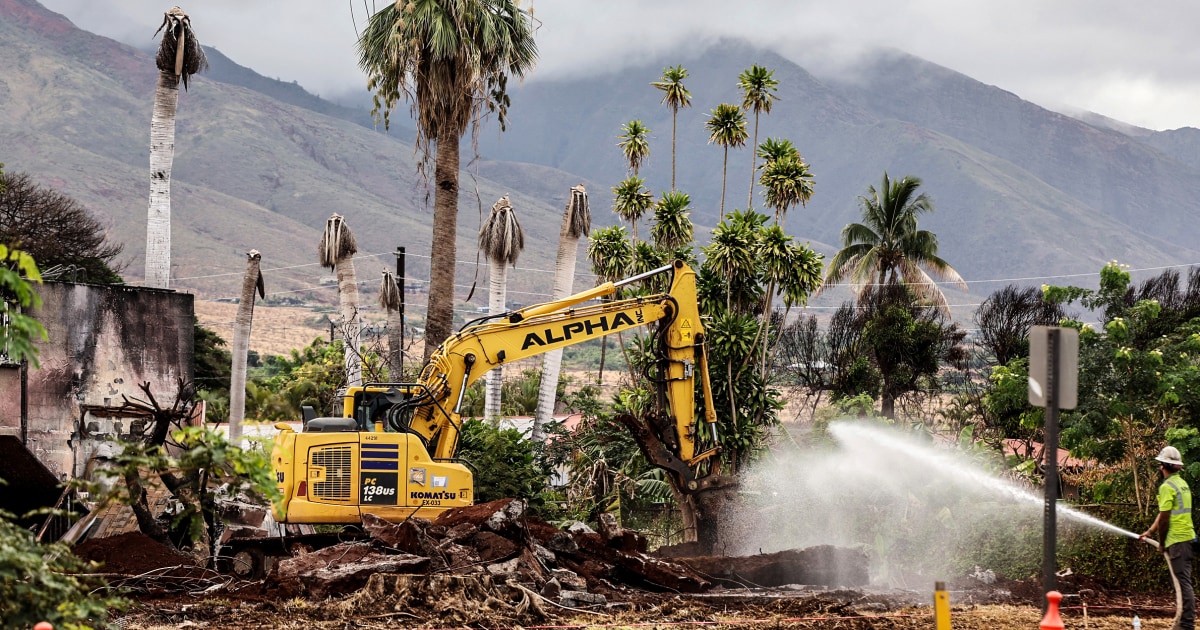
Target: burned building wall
104	341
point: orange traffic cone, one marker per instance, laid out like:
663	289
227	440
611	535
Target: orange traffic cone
1052	620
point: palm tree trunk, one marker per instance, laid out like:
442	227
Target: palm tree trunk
351	326
674	117
603	352
162	155
724	173
439	317
497	278
241	347
753	162
564	276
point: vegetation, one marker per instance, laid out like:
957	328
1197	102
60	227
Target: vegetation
887	247
67	241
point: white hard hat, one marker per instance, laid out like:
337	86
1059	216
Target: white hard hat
1170	455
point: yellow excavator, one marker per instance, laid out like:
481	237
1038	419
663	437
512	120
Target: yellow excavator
393	452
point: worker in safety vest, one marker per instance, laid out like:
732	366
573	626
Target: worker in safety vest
1174	530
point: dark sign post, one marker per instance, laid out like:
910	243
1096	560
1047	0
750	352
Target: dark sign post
1053	384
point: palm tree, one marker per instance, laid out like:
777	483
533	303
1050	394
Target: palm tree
391	300
634	144
251	282
577	222
179	57
612	257
631	200
726	127
673	228
452	61
772	149
675	97
501	239
758	87
787	182
887	247
336	251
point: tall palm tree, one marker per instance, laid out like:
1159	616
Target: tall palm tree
179	57
887	247
758	86
336	251
501	239
675	97
391	299
452	61
612	257
577	222
727	128
672	223
251	282
635	144
631	200
787	181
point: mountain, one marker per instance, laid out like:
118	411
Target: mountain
1020	191
259	164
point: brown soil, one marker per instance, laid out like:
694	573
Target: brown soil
277	329
133	553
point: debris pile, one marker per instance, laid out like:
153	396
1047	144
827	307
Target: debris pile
492	546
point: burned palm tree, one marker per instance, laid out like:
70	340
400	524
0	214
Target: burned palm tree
251	282
179	57
577	222
501	240
391	300
336	251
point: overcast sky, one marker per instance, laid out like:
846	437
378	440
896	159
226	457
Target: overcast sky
1136	62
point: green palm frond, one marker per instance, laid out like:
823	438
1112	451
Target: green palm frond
675	95
672	223
634	144
631	199
450	60
758	86
726	126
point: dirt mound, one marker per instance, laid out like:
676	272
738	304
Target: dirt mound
132	553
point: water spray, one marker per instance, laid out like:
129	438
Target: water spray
848	433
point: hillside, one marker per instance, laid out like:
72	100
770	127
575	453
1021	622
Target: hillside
250	171
1020	191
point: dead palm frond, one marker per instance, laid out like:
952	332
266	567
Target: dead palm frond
390	298
580	213
501	237
179	52
336	243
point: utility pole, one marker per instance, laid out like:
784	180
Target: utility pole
400	281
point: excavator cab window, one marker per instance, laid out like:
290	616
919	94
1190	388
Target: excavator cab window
371	407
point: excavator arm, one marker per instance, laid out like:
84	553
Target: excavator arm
434	411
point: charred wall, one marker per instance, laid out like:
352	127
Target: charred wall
104	341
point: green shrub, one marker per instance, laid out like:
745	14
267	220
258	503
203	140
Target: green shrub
506	465
46	582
